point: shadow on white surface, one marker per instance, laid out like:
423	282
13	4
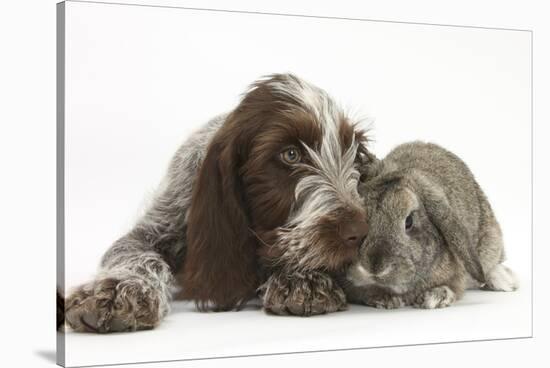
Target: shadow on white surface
48	355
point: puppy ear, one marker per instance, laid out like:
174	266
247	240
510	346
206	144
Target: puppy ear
369	164
219	270
450	225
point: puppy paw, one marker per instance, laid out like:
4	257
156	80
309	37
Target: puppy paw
111	305
438	297
60	317
386	301
501	278
302	294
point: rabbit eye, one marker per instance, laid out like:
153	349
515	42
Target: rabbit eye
409	222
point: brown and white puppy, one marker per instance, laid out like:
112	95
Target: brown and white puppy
263	198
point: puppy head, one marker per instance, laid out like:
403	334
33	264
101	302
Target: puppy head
279	180
300	175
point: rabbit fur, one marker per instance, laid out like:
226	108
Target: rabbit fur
432	233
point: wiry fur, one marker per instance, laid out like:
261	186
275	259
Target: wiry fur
329	188
454	242
135	283
290	214
302	294
229	216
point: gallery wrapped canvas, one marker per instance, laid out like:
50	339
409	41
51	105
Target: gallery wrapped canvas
225	185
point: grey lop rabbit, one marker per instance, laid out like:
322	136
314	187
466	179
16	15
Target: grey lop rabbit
432	233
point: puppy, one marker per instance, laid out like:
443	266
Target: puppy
262	200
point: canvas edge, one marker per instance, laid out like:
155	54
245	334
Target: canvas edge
60	169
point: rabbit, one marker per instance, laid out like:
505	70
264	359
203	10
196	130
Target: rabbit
432	233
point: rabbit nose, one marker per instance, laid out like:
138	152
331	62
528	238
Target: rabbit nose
353	232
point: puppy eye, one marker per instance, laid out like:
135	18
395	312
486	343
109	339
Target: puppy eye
409	222
291	155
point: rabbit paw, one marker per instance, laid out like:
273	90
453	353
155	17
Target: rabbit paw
438	297
386	301
501	278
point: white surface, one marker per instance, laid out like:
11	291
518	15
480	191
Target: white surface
188	334
27	155
139	79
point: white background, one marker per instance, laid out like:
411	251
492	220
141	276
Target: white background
30	178
140	79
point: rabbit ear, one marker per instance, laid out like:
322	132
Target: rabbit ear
449	224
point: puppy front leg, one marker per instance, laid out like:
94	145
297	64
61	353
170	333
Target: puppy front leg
131	292
302	294
134	285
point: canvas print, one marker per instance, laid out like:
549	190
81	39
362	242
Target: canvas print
235	184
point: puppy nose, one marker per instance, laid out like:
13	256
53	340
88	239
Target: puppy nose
353	232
